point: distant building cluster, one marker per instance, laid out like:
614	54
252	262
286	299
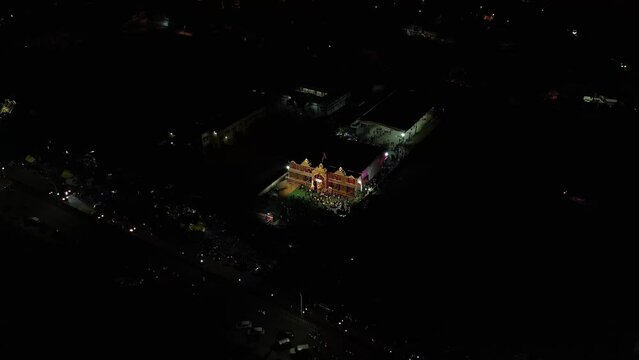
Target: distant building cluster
417	31
370	140
600	99
145	21
7	107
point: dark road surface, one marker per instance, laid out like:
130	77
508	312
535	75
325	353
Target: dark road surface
103	254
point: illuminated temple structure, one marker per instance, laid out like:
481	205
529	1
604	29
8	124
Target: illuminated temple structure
362	163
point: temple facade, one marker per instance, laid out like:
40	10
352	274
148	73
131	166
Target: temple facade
321	180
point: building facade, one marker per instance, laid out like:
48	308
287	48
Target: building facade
313	102
321	180
229	134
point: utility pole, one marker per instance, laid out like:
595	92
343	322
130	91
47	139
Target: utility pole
301	306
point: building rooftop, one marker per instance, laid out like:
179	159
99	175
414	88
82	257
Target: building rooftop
351	156
318	82
316	94
401	110
233	108
191	116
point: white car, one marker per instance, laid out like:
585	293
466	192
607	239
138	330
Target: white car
256	331
298	348
246	324
283	344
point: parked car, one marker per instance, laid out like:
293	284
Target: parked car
246	324
256	331
283	344
285	334
299	349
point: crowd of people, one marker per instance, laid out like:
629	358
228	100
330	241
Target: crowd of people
334	203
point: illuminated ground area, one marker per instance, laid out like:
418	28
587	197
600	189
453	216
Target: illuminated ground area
333	203
291	203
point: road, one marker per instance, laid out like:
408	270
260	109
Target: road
212	281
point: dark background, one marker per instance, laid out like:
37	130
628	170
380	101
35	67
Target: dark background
471	240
